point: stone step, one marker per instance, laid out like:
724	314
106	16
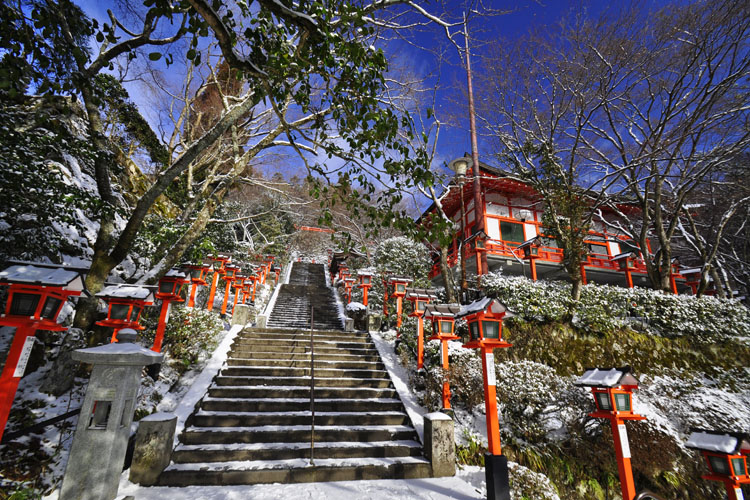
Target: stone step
286	451
300	404
294	471
300	348
342	365
247	419
275	371
302	343
281	392
247	353
295	434
302	381
304	335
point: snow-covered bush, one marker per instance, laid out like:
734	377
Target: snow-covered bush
190	334
529	395
603	308
404	257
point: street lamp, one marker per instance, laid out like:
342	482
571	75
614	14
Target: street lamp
726	455
219	263
36	294
443	326
420	297
485	319
399	291
365	283
612	389
626	262
125	305
229	274
198	274
530	250
459	166
170	290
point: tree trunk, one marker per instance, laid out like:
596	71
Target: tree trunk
445	270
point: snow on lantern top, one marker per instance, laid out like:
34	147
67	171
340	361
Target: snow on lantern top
730	443
485	318
67	278
607	377
133	292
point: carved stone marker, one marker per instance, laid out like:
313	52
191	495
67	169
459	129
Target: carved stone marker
153	447
439	444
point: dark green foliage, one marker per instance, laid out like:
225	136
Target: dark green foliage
115	102
39	188
36	56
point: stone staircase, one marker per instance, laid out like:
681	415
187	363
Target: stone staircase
306	289
255	423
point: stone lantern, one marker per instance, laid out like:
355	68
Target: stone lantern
420	297
443	325
101	437
726	456
530	249
485	319
36	294
125	304
198	274
170	290
220	262
612	389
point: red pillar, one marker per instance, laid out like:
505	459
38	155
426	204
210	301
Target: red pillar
237	292
399	307
191	300
212	294
163	316
532	263
446	381
629	276
364	295
385	298
490	401
583	274
420	342
622	452
10	376
227	289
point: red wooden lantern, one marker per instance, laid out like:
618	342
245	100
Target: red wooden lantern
419	298
36	294
726	456
442	317
230	271
219	263
125	304
198	275
238	284
626	263
530	250
613	394
485	319
365	283
399	285
349	283
170	290
693	278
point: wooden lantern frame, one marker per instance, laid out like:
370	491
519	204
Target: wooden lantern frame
133	298
730	448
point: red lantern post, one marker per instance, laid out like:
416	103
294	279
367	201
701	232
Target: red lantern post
626	262
36	294
228	278
219	264
613	394
198	274
485	319
348	284
399	291
125	304
530	250
443	325
726	456
238	284
365	283
420	297
170	290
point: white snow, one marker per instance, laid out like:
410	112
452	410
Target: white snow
605	378
723	443
46	276
127	292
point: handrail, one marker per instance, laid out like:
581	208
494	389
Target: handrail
8	436
312	387
647	495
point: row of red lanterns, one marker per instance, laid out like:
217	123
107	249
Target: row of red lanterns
37	292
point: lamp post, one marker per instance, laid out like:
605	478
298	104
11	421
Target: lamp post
626	262
238	284
530	250
612	389
231	272
420	297
399	291
365	283
459	166
36	294
198	274
125	304
726	456
219	264
349	283
170	290
443	325
485	319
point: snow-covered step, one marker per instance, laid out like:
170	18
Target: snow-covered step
270	404
300	392
225	380
256	354
275	371
303	363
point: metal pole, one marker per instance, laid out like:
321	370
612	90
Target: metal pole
312	387
478	206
